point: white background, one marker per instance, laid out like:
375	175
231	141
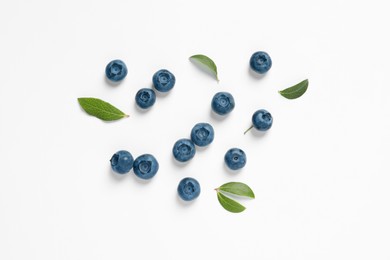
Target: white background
320	175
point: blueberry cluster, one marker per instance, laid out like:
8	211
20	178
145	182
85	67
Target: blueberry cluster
202	134
163	81
144	166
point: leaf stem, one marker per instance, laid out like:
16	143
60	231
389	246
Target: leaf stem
248	129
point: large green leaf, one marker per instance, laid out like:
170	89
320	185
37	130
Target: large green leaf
237	188
295	91
101	109
229	204
206	63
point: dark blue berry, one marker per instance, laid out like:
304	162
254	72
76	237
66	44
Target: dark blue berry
163	80
183	150
188	189
202	134
122	162
145	166
260	62
116	70
235	159
262	120
145	98
222	103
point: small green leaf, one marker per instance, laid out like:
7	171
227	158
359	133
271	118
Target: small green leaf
206	63
229	204
295	91
237	188
101	109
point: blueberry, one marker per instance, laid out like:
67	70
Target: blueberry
188	189
262	120
222	103
145	98
122	162
202	134
260	62
145	166
235	158
183	150
116	70
163	80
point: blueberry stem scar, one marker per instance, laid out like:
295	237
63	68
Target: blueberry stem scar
248	129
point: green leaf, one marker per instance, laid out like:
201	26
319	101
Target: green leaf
237	188
206	63
101	109
295	91
229	204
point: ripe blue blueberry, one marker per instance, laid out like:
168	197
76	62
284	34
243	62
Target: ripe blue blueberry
262	120
188	189
145	98
260	62
116	70
202	134
145	166
183	150
222	103
122	162
235	159
163	80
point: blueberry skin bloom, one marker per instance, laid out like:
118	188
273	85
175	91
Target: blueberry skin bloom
188	189
235	159
260	62
262	120
222	103
163	80
202	134
122	162
183	150
145	98
116	70
145	166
